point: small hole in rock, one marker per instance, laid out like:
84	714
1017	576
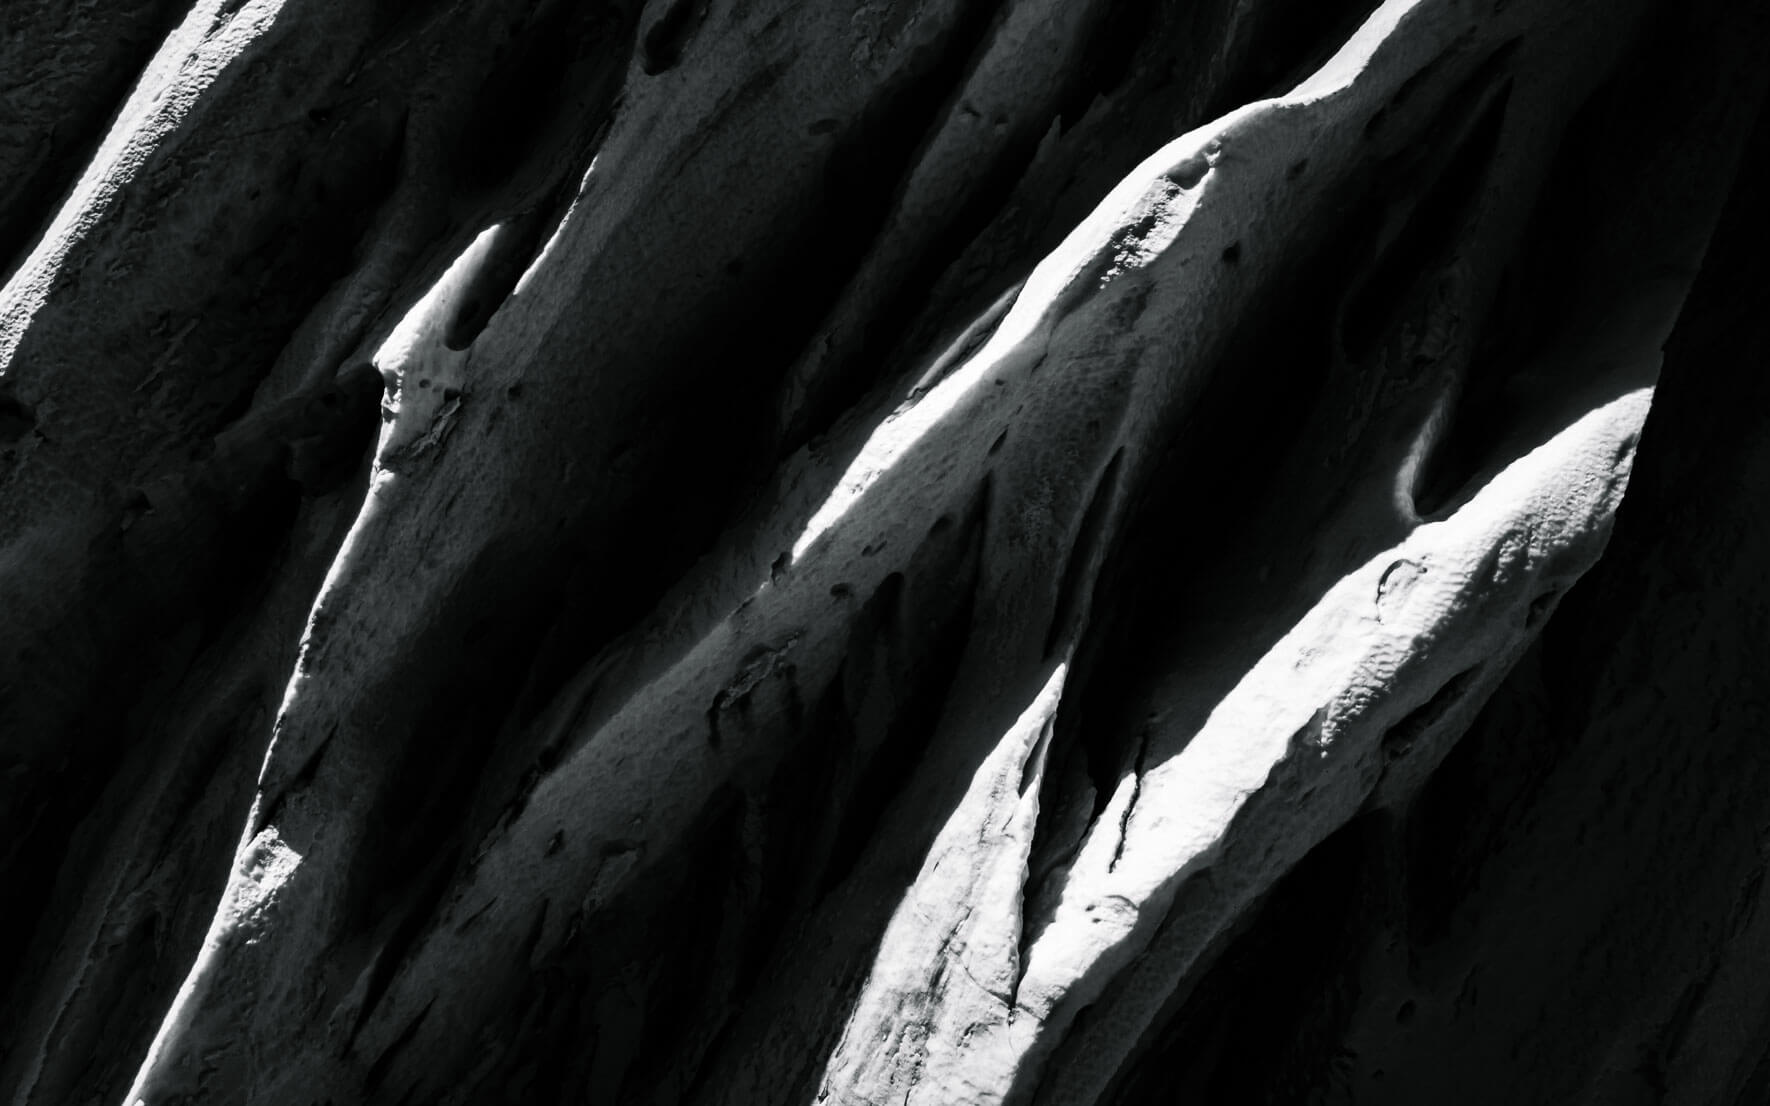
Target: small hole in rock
16	420
1540	608
1188	173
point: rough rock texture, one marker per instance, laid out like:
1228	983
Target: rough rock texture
943	552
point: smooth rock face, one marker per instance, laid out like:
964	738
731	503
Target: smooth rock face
1042	552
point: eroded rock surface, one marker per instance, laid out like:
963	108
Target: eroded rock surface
876	553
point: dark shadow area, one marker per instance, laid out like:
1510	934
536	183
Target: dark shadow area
550	87
699	929
1572	325
1156	69
195	549
1606	807
1455	178
1573	899
1263	1023
1174	590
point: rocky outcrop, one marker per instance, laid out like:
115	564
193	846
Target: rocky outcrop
882	553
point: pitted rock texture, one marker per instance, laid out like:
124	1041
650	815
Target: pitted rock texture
876	552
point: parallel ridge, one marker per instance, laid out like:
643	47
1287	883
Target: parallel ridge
862	553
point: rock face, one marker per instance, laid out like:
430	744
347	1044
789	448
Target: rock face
926	552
